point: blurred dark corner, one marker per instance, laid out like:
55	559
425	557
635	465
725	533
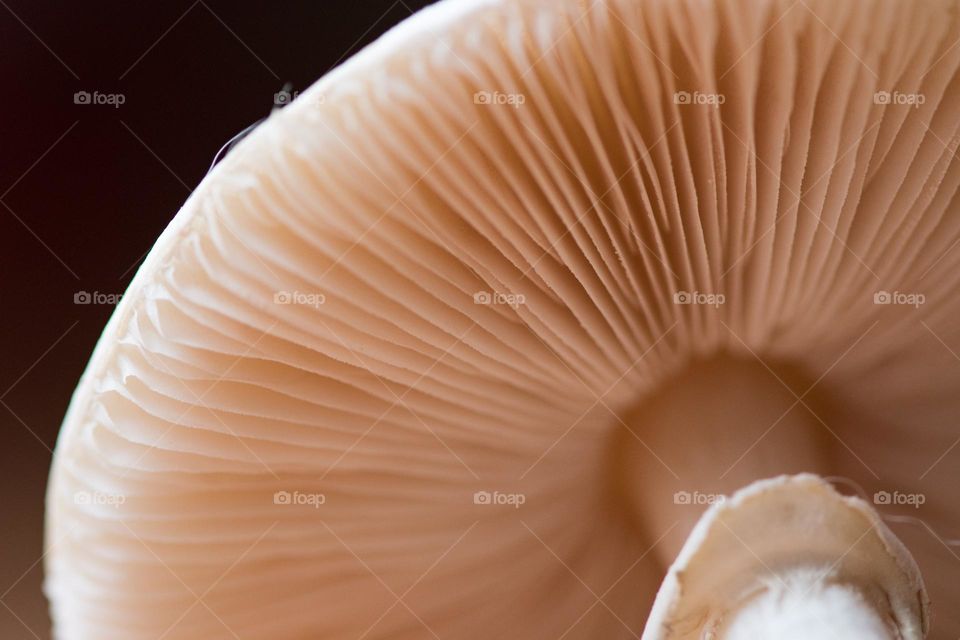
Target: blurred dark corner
87	188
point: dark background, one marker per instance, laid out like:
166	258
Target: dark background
85	190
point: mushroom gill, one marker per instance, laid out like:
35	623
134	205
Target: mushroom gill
432	352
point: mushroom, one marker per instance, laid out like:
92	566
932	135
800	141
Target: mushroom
464	340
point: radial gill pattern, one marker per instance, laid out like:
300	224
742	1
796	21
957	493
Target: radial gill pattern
366	384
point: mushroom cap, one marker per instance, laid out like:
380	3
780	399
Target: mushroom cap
366	382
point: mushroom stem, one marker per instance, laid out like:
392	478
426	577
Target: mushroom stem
790	557
806	608
715	428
